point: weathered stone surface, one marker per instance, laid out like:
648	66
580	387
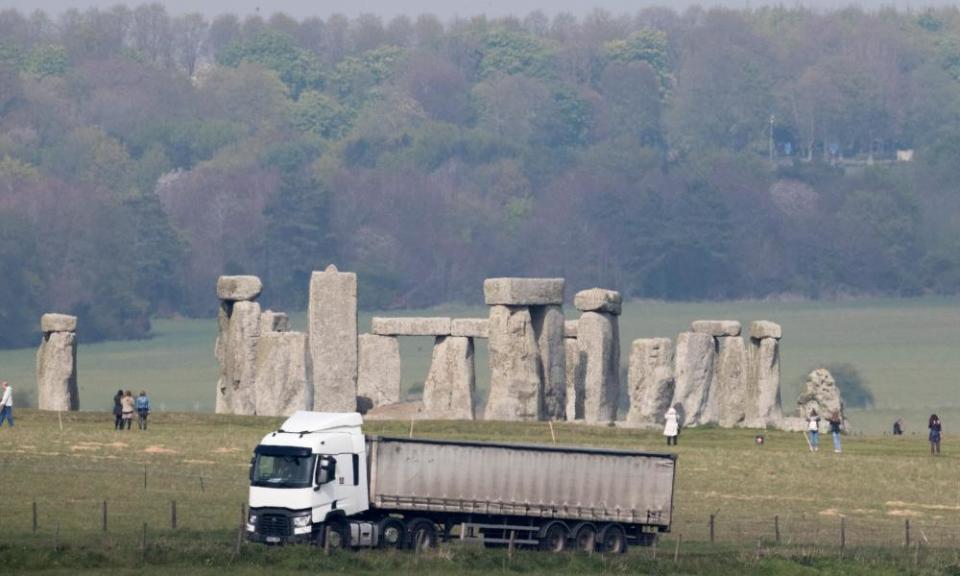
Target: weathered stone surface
730	381
716	328
694	373
598	300
401	411
271	321
763	383
598	334
57	372
820	393
570	329
236	351
236	288
407	326
548	325
448	390
523	291
58	323
514	366
470	327
765	329
650	380
333	340
574	371
378	377
282	387
792	424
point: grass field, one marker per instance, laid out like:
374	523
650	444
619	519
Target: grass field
907	351
200	461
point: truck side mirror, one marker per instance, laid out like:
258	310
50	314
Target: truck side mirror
326	470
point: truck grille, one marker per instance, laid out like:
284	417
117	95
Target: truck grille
273	525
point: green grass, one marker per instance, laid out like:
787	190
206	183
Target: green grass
906	350
875	485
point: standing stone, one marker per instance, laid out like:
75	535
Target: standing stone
730	381
820	393
574	374
378	375
57	364
448	390
236	351
763	388
650	381
598	334
548	325
514	365
271	321
282	387
694	374
333	340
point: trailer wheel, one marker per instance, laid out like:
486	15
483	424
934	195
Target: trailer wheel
585	537
391	533
613	539
422	534
337	534
554	537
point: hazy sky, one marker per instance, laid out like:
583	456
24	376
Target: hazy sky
443	8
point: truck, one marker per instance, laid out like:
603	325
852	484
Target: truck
319	480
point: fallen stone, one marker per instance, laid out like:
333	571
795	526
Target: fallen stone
239	323
574	371
237	288
820	393
378	376
470	327
332	318
765	329
650	381
57	372
406	326
570	329
598	300
58	323
694	374
598	334
514	365
548	326
271	321
400	411
730	383
282	386
448	390
716	328
523	291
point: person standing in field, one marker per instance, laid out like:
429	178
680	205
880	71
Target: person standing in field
143	409
671	428
813	430
118	410
127	409
836	424
936	430
6	404
898	427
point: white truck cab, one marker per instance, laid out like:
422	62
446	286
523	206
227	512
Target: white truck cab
309	472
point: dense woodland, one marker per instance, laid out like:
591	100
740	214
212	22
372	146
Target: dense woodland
706	154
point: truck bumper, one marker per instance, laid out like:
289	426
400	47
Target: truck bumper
279	540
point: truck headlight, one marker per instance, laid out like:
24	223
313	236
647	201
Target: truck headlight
301	521
252	518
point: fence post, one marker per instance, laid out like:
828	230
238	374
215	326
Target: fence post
243	516
712	516
843	535
56	538
201	484
103	520
173	514
34	515
513	534
676	551
776	529
906	528
144	476
143	543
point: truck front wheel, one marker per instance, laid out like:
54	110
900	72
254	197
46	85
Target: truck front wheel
336	535
391	533
422	534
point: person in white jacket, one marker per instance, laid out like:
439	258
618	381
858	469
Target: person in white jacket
671	428
6	404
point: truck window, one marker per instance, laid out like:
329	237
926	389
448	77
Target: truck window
283	471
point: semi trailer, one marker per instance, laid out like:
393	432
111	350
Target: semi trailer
319	480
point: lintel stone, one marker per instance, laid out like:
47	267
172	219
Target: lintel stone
58	323
436	326
523	291
598	300
470	327
238	288
716	328
765	329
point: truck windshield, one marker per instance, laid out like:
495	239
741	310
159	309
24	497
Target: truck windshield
287	471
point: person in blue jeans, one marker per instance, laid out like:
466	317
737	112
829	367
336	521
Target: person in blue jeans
813	431
836	424
143	409
6	404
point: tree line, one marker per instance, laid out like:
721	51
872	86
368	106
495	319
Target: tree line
703	154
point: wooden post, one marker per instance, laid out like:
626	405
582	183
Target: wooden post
676	551
143	542
411	428
916	553
906	528
712	517
173	514
56	538
103	520
239	541
553	434
144	476
34	515
513	535
655	548
201	485
243	516
776	529
326	540
843	535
